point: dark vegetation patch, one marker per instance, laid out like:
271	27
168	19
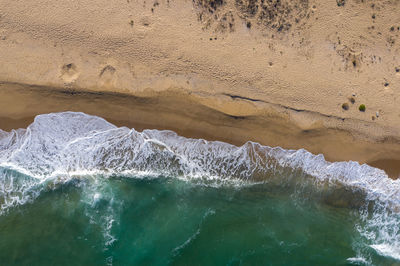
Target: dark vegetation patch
350	57
282	14
226	23
209	5
340	2
212	14
277	15
248	24
248	8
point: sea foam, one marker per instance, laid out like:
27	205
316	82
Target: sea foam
63	146
69	143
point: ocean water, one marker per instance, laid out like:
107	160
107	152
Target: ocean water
77	190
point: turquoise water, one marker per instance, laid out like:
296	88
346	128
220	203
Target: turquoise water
69	195
147	221
165	221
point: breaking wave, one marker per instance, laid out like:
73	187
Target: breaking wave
59	147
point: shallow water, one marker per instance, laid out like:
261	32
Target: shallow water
75	189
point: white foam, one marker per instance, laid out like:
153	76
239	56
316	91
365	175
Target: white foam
358	261
62	146
387	250
70	144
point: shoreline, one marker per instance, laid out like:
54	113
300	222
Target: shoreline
223	70
294	102
191	116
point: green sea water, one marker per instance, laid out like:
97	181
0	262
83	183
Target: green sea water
166	221
77	190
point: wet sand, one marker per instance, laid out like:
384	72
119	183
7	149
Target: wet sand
189	116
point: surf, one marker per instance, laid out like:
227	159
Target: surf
60	148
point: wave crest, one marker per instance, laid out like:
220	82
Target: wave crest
60	146
67	143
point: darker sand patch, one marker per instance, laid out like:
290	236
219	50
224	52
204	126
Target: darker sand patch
390	166
188	117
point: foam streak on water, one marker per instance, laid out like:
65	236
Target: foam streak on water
60	146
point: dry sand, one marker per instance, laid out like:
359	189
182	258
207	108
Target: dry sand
276	72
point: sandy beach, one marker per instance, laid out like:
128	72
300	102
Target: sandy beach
205	132
233	71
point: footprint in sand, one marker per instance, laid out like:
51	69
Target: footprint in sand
69	73
145	21
107	76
